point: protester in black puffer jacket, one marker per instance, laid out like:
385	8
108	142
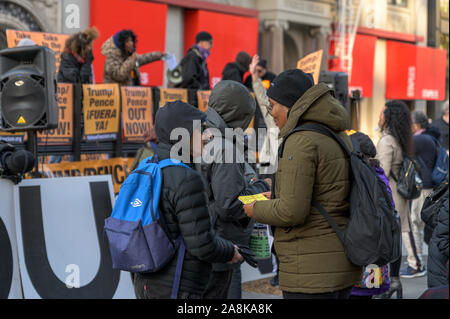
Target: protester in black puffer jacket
183	204
438	249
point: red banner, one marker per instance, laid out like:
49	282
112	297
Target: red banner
414	73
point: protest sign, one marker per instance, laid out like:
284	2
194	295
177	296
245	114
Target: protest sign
54	41
101	106
170	95
117	167
62	135
136	113
311	64
203	99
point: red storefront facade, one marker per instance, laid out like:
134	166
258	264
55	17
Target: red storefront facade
233	29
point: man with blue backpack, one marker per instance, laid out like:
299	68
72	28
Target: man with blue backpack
433	160
160	228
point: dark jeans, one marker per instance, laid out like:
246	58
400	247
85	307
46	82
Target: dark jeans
218	285
340	294
235	290
145	290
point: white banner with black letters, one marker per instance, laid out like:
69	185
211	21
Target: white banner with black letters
61	248
10	285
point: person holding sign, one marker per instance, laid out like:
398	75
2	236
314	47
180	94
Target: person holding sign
122	62
76	60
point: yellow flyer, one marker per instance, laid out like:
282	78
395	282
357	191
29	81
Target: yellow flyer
251	198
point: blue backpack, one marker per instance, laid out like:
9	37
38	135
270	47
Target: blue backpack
136	230
440	170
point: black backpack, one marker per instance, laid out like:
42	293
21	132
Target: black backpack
431	207
409	181
372	235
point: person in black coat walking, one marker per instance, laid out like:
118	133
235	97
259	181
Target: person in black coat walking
76	60
235	71
194	69
183	204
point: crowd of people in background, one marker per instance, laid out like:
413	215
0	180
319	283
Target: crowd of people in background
201	202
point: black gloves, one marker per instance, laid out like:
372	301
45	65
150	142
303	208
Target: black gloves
248	255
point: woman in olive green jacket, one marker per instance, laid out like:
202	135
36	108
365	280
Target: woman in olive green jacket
312	259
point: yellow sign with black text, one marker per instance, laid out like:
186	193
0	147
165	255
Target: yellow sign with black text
203	99
311	64
54	41
171	95
117	167
101	107
63	134
137	109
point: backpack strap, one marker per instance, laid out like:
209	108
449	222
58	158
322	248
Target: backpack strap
181	247
322	129
319	128
330	220
180	259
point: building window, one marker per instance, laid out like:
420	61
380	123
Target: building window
400	3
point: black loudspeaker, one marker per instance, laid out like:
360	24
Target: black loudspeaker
28	98
338	81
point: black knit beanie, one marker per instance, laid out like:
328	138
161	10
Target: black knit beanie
289	86
203	36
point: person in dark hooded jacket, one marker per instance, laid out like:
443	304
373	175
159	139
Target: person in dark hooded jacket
183	204
235	70
194	68
227	176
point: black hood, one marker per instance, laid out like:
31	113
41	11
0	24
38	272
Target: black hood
176	115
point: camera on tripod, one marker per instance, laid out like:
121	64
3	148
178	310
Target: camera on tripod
14	164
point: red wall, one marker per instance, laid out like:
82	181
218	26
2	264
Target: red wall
231	34
146	19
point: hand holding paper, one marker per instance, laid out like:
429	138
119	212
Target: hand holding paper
171	60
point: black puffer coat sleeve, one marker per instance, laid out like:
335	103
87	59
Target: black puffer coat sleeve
70	70
190	203
191	70
442	229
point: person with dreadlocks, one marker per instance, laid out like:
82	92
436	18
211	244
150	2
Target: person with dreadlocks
76	60
122	62
396	141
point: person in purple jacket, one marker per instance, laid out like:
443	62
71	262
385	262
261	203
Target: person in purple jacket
362	290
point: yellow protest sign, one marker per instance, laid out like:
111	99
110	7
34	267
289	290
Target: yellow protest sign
63	134
54	41
101	108
93	157
252	198
117	167
311	64
203	99
170	95
136	112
